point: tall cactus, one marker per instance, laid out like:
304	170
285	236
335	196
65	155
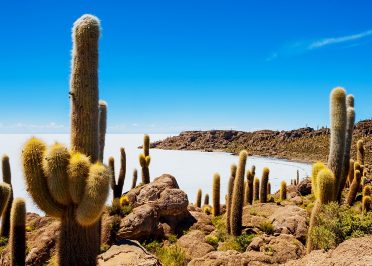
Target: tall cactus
216	195
102	114
338	116
71	185
350	116
135	176
263	187
230	189
117	187
250	178
360	152
198	198
256	189
17	238
7	178
145	160
237	199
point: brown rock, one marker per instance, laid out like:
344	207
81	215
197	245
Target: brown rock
203	222
194	244
128	254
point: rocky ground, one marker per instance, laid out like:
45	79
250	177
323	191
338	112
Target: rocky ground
163	228
305	144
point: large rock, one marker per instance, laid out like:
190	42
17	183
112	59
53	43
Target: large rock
160	208
128	254
304	187
194	244
353	252
203	222
271	250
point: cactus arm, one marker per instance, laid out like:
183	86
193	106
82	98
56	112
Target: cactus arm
102	128
36	181
91	206
112	173
123	169
146	145
55	165
5	192
78	171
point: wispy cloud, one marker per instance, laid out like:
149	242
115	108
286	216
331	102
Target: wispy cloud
20	127
306	46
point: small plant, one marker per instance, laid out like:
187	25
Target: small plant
172	256
124	201
244	240
212	240
267	228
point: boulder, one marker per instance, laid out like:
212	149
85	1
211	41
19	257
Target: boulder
304	188
203	222
352	252
129	254
272	250
194	244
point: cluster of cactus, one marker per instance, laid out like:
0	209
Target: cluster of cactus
325	193
17	223
73	185
145	160
117	187
216	195
237	197
342	116
230	189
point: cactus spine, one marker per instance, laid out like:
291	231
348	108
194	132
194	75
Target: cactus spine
117	188
256	189
198	198
102	114
264	182
87	182
135	176
17	238
354	188
7	178
145	160
230	189
237	199
283	191
360	152
338	116
216	195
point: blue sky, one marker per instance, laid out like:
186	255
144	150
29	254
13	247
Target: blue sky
167	66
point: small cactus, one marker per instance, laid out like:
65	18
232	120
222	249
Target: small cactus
229	196
216	195
207	209
198	198
283	190
354	188
366	204
338	116
145	160
350	175
7	178
5	192
317	167
134	181
298	177
206	199
360	152
102	124
269	188
256	189
17	238
367	190
117	188
237	200
263	186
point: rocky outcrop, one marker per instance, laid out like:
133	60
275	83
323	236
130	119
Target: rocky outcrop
352	252
193	243
304	188
263	250
129	254
304	144
288	219
159	208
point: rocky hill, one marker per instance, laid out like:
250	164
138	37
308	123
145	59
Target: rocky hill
304	144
